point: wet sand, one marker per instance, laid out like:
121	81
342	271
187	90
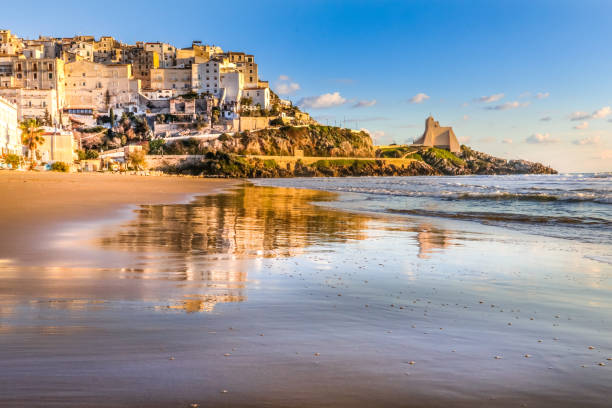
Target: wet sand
256	297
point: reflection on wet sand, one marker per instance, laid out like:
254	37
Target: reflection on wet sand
222	231
252	221
209	245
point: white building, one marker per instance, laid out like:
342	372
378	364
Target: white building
207	77
10	142
260	96
233	83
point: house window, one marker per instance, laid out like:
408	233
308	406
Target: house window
35	76
50	67
50	75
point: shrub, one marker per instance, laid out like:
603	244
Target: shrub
60	166
13	160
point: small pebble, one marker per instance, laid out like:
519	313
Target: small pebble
171	358
602	364
227	354
591	348
527	355
223	391
498	357
412	363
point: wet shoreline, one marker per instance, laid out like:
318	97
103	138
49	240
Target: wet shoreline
280	302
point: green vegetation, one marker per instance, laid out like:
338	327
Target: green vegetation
60	166
95	129
323	164
156	146
445	154
414	156
87	154
12	160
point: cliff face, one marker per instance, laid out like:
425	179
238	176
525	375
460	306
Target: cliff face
469	161
228	156
313	140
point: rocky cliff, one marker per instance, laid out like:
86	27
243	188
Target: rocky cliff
313	140
343	152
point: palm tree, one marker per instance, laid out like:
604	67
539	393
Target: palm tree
31	136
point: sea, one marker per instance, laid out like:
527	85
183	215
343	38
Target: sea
573	206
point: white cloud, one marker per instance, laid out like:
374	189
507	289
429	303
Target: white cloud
466	117
602	113
546	119
284	86
605	154
598	114
508	105
419	98
490	98
538	138
464	139
507	141
327	100
365	104
542	95
583	125
591	140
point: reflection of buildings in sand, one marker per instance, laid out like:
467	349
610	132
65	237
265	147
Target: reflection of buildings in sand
251	222
431	240
214	240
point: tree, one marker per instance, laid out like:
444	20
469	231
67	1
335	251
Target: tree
112	118
137	160
31	136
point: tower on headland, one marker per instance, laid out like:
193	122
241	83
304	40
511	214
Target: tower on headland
440	137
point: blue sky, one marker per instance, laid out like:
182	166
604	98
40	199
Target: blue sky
509	76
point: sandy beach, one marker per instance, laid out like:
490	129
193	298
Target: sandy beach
34	202
257	297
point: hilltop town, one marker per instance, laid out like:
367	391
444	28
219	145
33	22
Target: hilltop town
87	104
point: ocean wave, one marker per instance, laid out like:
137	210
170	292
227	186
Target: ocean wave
583	195
507	217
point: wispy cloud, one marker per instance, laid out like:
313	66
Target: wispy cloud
598	114
542	95
583	125
284	86
541	138
507	141
508	106
546	119
602	113
466	117
464	139
365	104
324	101
490	98
419	98
591	140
